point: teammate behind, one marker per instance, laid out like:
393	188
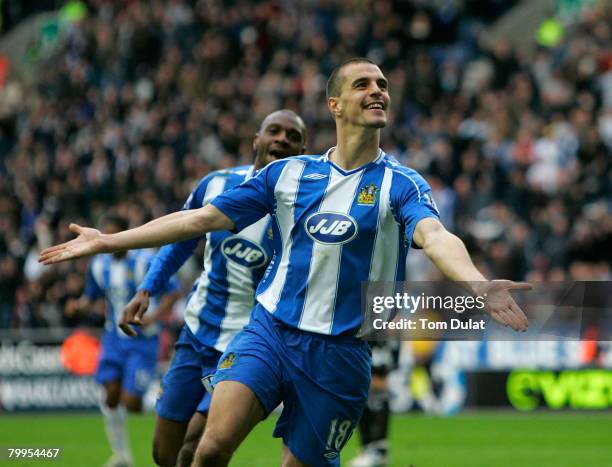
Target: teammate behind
221	300
126	366
339	219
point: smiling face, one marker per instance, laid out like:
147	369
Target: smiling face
282	134
363	97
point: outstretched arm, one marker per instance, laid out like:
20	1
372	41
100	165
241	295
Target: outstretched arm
175	227
446	250
449	254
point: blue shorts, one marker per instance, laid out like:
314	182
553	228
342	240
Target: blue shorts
131	361
182	392
323	382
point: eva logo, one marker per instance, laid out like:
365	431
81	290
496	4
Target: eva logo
331	228
244	252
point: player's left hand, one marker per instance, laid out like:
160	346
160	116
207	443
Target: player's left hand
500	304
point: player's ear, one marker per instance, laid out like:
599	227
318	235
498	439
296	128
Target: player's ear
334	106
255	141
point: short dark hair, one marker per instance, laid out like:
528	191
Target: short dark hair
114	219
291	114
334	83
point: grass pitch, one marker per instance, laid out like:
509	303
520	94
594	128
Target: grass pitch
472	439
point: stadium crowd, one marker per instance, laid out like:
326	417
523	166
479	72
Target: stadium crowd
147	97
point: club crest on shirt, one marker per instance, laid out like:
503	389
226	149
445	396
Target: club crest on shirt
228	361
367	195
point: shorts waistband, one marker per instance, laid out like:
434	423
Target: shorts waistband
338	338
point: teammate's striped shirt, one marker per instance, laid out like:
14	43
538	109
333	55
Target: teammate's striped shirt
332	230
116	280
223	296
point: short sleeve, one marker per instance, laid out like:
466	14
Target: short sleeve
412	200
252	199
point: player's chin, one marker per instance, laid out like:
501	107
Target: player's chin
376	119
380	122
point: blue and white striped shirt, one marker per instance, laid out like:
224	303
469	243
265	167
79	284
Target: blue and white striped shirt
332	230
222	298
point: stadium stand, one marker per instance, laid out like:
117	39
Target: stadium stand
144	98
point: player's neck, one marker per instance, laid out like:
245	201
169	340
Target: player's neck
356	147
258	162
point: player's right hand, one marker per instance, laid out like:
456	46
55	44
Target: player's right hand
133	312
89	242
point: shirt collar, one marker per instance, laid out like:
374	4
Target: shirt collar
377	160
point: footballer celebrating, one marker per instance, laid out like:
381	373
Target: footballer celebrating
339	219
